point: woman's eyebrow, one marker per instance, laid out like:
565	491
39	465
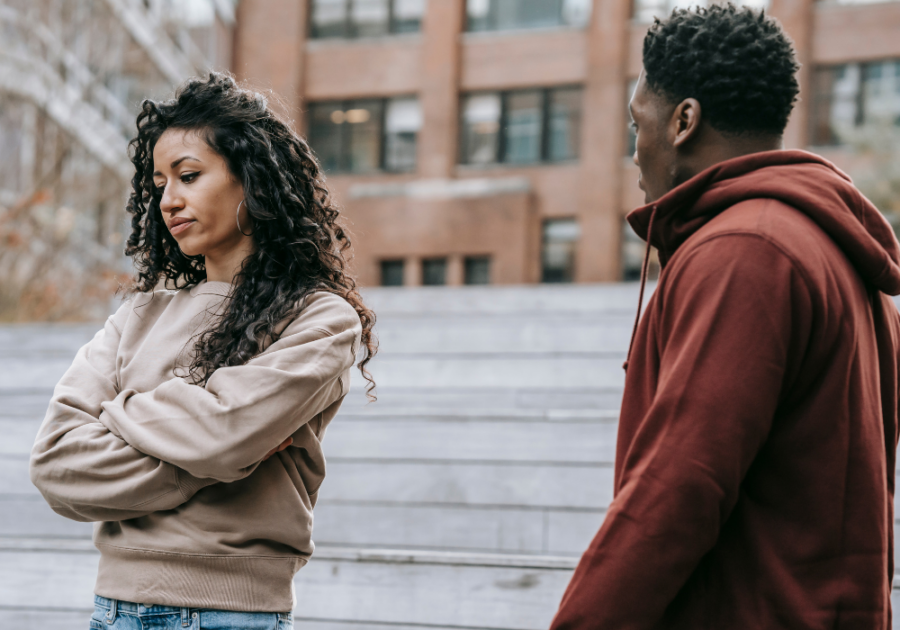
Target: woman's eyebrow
179	161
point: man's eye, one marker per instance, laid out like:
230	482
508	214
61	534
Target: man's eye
187	178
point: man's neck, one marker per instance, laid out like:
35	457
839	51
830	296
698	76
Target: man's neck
712	148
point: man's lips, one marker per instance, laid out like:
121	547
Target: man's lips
179	225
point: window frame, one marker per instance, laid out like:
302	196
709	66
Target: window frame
492	17
345	139
349	29
441	261
503	120
573	247
823	103
468	262
382	267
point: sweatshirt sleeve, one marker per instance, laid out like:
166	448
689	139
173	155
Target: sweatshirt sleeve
727	318
85	472
222	431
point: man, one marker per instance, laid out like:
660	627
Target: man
755	457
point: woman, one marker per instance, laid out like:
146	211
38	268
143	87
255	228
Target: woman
190	427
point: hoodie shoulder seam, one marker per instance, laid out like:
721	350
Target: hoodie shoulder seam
795	263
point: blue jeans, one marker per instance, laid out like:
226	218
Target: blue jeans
111	614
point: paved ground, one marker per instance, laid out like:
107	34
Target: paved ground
461	499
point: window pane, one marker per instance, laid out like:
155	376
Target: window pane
524	116
370	17
516	14
646	10
576	12
325	133
633	256
363	123
434	272
881	93
408	15
481	128
403	120
565	124
329	18
837	103
392	273
477	270
478	13
558	251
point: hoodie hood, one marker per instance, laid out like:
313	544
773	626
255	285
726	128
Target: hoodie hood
800	179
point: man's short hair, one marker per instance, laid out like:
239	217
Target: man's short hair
737	62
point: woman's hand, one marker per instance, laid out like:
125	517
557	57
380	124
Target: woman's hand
279	448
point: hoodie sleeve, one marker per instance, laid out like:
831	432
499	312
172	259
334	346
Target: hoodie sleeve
726	317
222	431
85	472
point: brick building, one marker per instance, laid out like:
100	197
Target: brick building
486	141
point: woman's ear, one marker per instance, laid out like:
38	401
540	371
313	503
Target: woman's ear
685	122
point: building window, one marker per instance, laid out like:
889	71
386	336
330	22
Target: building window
402	122
392	273
365	136
646	10
434	272
560	238
477	270
850	97
522	126
365	18
633	249
501	15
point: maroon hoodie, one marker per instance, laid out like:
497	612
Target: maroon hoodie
755	457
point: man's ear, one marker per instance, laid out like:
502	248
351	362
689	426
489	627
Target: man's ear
685	122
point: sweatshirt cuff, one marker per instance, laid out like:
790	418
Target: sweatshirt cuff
190	485
107	420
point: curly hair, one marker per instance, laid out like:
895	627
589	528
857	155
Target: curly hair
737	62
300	245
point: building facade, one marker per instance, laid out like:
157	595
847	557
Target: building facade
486	141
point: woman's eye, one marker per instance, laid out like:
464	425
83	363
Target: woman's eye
187	178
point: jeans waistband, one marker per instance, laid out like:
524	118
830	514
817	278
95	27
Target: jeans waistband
132	607
114	606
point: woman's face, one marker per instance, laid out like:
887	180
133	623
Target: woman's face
200	197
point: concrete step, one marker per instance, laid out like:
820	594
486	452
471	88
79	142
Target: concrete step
340	589
514	300
31	403
478	400
458	334
339	586
451	333
461	371
493	371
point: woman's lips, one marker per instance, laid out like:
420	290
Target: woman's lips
181	227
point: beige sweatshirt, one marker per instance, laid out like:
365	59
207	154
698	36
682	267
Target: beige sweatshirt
189	514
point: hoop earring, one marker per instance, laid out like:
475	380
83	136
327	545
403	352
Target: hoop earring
237	218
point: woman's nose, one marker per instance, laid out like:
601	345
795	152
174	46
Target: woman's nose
170	201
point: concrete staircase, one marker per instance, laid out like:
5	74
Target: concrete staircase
461	499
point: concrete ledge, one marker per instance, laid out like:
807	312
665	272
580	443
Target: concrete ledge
443	188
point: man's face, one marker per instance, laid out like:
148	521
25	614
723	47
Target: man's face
654	154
